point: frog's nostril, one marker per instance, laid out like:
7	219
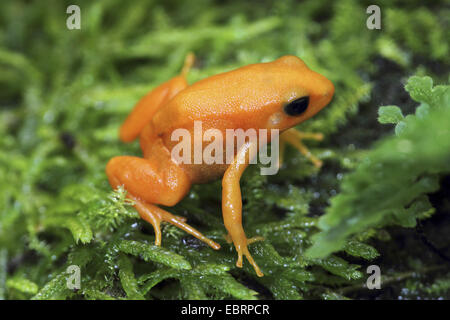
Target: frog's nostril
329	92
327	96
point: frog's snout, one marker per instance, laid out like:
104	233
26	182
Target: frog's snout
327	92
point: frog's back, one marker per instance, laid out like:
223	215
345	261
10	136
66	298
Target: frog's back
233	97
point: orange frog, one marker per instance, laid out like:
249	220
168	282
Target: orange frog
273	95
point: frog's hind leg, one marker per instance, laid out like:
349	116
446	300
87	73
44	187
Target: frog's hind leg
188	63
294	138
152	102
150	182
155	215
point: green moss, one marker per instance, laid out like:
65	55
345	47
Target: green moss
65	93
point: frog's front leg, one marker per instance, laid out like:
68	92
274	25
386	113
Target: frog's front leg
232	205
150	182
294	138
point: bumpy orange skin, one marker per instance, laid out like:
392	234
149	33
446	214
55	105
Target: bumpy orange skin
249	97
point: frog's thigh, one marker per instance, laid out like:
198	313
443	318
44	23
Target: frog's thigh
149	183
164	183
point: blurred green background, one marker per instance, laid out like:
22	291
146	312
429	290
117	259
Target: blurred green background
381	198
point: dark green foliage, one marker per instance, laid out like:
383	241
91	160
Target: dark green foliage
154	253
64	94
405	168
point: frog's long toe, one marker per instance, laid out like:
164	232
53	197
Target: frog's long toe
294	138
242	250
152	213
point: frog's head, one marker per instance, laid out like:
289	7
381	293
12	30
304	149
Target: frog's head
301	93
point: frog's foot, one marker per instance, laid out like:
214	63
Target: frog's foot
294	138
155	215
255	239
180	218
242	250
241	244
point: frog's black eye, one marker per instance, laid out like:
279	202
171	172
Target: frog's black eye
297	107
